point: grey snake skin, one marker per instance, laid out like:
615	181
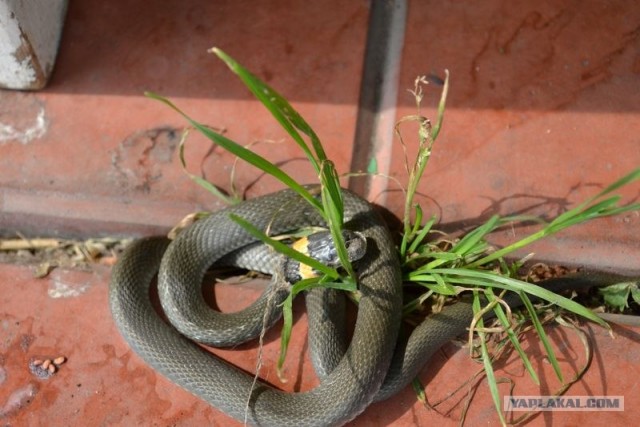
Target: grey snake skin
351	378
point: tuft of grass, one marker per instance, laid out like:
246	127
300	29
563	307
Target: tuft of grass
330	206
444	268
470	263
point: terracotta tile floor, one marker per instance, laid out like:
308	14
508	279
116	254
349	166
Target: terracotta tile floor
104	383
542	113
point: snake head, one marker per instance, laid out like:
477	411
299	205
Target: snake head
321	247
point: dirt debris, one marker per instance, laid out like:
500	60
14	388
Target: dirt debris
48	253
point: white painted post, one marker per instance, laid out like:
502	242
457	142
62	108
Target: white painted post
29	36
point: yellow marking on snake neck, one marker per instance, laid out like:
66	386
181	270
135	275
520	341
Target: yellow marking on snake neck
306	272
302	246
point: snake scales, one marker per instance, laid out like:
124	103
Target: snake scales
348	384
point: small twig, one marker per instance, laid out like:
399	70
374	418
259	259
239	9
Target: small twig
24	243
265	318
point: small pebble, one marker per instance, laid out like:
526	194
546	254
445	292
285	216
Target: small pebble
45	368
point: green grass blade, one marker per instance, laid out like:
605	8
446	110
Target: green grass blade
418	388
513	338
442	287
332	193
201	181
279	107
543	335
621	210
441	106
417	241
243	153
284	249
491	379
468	277
415	303
334	209
625	180
634	175
285	335
486	361
406	237
581	214
287	310
418	219
472	242
293	122
590	209
446	256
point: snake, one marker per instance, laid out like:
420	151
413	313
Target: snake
373	366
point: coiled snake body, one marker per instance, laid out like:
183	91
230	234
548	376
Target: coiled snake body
346	389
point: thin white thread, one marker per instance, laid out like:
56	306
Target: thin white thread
265	318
